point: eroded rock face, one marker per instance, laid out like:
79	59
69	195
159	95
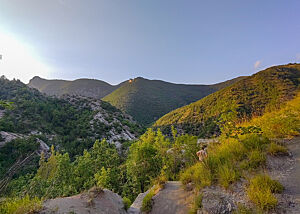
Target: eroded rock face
95	201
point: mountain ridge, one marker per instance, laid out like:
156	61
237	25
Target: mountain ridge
253	95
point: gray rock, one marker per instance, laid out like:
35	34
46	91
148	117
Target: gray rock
216	203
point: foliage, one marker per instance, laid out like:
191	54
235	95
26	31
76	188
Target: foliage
17	150
148	100
227	160
127	203
58	176
66	122
199	174
25	205
253	96
283	123
276	149
261	189
147	202
197	204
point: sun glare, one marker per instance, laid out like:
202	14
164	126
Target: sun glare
19	61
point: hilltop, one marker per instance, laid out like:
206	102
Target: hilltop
147	100
252	96
81	87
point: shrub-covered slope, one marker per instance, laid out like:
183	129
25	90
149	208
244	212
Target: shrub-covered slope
82	87
73	123
252	96
147	100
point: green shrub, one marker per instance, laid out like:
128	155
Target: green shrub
256	158
198	174
127	202
254	141
147	202
275	149
261	189
227	174
24	205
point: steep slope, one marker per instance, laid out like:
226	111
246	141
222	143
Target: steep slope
82	87
254	95
147	100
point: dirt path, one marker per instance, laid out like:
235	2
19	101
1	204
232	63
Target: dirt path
287	171
173	199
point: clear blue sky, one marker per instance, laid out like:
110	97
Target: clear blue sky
183	41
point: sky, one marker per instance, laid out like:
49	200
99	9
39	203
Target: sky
181	41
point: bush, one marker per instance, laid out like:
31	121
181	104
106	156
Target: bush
256	159
198	174
275	149
24	205
261	189
127	202
254	141
227	174
147	202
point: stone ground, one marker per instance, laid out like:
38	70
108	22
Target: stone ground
287	171
173	199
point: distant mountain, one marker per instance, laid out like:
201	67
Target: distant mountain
82	87
252	96
147	100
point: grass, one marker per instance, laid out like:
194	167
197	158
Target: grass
198	174
24	205
147	202
227	160
276	149
197	204
260	191
227	174
282	123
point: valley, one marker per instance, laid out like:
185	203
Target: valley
80	154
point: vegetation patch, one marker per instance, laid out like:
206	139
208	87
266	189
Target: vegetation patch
25	205
276	149
148	202
197	204
261	189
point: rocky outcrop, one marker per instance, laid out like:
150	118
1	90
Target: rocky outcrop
9	136
95	201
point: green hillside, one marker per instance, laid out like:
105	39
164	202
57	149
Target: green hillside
147	100
252	96
71	123
83	87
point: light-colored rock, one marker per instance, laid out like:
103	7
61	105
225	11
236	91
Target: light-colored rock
92	202
136	206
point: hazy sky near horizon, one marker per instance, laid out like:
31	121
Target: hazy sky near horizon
182	41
